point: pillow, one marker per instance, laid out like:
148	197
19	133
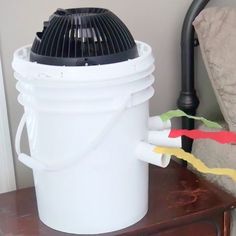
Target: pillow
216	155
216	30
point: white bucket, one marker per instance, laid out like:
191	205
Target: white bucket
85	126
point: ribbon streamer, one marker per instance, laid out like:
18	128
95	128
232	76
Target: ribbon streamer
178	113
221	136
196	163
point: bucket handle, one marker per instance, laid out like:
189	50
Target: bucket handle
37	164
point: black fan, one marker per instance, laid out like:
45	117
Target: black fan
83	36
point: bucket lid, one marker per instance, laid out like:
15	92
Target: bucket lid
83	37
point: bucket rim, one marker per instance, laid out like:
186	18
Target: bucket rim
51	73
59	108
75	94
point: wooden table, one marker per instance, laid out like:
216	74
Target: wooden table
180	205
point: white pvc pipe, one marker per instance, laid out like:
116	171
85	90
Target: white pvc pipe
145	152
161	138
155	123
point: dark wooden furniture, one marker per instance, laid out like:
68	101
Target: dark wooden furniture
180	204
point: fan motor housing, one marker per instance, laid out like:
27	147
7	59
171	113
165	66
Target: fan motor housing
83	37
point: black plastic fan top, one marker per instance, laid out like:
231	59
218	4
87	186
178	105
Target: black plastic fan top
83	37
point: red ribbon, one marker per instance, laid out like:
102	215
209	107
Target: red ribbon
221	136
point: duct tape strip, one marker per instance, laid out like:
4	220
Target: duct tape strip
195	162
221	136
178	113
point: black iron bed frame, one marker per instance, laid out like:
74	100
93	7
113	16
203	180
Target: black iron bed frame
188	100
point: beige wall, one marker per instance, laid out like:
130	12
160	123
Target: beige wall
157	22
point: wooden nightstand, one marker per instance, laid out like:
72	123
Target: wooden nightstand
180	204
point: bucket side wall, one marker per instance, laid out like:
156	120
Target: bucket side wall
110	184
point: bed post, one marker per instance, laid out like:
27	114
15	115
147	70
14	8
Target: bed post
188	100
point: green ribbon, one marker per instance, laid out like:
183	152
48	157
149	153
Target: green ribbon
178	113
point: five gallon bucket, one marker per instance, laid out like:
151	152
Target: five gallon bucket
84	125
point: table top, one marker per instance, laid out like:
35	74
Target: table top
176	197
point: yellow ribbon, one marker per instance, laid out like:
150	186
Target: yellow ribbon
195	162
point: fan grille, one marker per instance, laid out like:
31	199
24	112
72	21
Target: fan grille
84	36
